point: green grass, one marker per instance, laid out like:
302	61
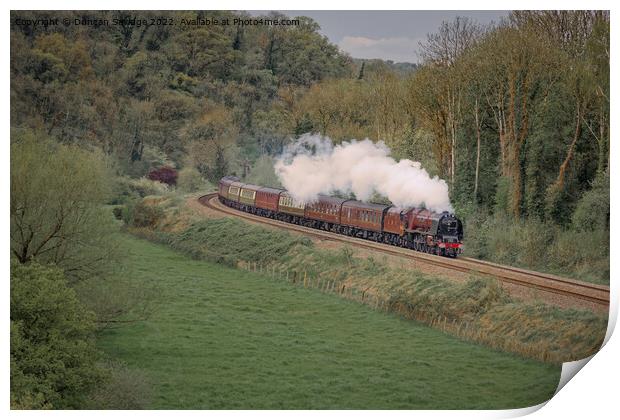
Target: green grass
223	338
477	310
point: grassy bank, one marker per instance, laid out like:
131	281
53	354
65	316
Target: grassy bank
478	310
228	338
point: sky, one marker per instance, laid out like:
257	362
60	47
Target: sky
389	35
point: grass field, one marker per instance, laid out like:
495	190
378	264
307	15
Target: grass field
223	338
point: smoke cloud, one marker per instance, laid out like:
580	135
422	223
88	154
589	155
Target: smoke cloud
313	165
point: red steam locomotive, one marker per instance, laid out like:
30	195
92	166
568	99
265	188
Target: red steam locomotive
413	228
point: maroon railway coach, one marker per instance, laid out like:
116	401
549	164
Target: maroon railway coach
419	229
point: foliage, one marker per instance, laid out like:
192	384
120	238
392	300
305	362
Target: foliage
128	188
539	245
148	105
142	213
121	388
53	354
263	173
592	211
165	175
190	180
56	213
486	103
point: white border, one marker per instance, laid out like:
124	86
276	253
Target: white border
591	394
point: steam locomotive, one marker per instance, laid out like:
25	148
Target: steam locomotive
413	228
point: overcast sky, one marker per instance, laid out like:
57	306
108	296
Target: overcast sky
390	35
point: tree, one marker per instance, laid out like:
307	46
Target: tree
56	216
300	55
53	353
203	51
209	139
576	34
442	50
519	68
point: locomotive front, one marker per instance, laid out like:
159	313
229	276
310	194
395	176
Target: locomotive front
450	234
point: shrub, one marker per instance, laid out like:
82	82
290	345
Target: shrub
118	212
190	180
152	157
57	193
165	175
129	189
540	246
592	211
121	389
53	353
143	214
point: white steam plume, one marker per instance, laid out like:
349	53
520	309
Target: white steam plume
313	165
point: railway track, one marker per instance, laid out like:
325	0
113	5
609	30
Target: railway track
527	278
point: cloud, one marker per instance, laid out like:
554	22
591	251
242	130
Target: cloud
398	49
